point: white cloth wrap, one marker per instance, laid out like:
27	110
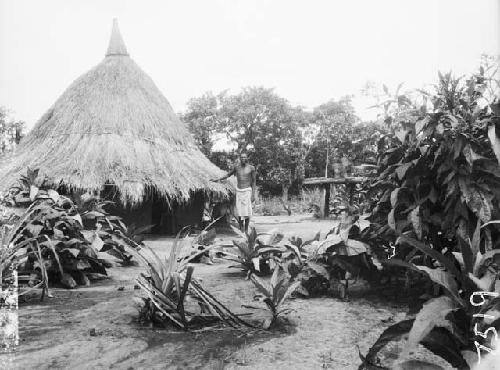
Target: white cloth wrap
243	205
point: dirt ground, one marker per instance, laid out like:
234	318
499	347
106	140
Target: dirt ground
326	332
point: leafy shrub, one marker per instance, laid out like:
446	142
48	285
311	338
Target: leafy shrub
323	266
13	252
344	256
65	236
438	192
256	252
274	293
445	178
301	265
111	235
55	226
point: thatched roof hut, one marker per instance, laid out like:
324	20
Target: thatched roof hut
114	126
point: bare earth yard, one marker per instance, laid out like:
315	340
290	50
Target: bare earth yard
56	334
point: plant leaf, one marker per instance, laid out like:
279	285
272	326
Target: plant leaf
418	365
289	290
330	241
272	237
495	141
432	314
54	195
319	269
442	343
443	260
77	217
394	197
420	124
391	221
97	242
355	247
275	277
443	278
394	333
485	283
401	170
466	253
482	258
261	285
491	223
416	222
33	192
476	239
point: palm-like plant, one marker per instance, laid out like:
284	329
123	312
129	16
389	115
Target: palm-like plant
169	282
167	285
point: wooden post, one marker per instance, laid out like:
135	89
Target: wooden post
350	188
326	206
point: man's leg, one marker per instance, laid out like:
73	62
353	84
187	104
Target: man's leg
241	223
247	223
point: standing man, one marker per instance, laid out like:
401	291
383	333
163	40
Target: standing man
245	191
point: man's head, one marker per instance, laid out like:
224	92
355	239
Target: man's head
243	158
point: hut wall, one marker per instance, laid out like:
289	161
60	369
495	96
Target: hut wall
139	216
170	219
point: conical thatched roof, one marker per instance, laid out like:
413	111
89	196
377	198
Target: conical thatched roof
113	125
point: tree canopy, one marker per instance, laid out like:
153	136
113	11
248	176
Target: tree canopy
284	142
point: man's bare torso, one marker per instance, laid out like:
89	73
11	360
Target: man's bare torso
244	175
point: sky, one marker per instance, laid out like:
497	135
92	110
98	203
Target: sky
310	51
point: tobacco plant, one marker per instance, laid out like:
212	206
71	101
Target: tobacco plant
56	226
300	261
455	325
274	293
256	252
344	256
61	249
443	176
15	252
439	190
113	236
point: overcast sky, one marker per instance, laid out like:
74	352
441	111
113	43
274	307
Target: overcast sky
309	51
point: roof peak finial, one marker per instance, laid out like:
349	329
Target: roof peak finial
116	44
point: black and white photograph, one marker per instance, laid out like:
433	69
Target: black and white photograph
250	184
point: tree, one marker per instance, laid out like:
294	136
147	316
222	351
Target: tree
10	131
256	120
339	133
201	117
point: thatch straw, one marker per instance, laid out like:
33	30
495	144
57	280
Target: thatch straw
113	125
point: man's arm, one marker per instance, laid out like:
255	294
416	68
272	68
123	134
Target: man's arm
254	181
229	174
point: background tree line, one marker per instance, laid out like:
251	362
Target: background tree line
286	143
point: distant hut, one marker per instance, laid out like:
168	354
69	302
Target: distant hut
112	131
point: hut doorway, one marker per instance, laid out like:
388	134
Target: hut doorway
170	219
